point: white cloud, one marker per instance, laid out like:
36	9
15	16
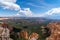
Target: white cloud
25	11
9	4
50	12
12	1
53	11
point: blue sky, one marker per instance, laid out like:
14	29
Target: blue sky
30	8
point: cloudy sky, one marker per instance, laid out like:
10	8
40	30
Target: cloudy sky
30	8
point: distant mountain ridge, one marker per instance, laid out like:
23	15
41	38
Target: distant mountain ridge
29	18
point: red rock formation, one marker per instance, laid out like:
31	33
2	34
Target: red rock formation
34	35
24	34
5	32
55	31
5	25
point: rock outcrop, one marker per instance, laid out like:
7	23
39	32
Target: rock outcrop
55	31
4	32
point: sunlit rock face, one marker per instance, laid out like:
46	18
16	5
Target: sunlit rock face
55	31
34	36
24	34
4	32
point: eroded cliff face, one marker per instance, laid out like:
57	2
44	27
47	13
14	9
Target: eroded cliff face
55	31
32	36
4	32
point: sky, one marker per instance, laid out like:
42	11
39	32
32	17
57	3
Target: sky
30	8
